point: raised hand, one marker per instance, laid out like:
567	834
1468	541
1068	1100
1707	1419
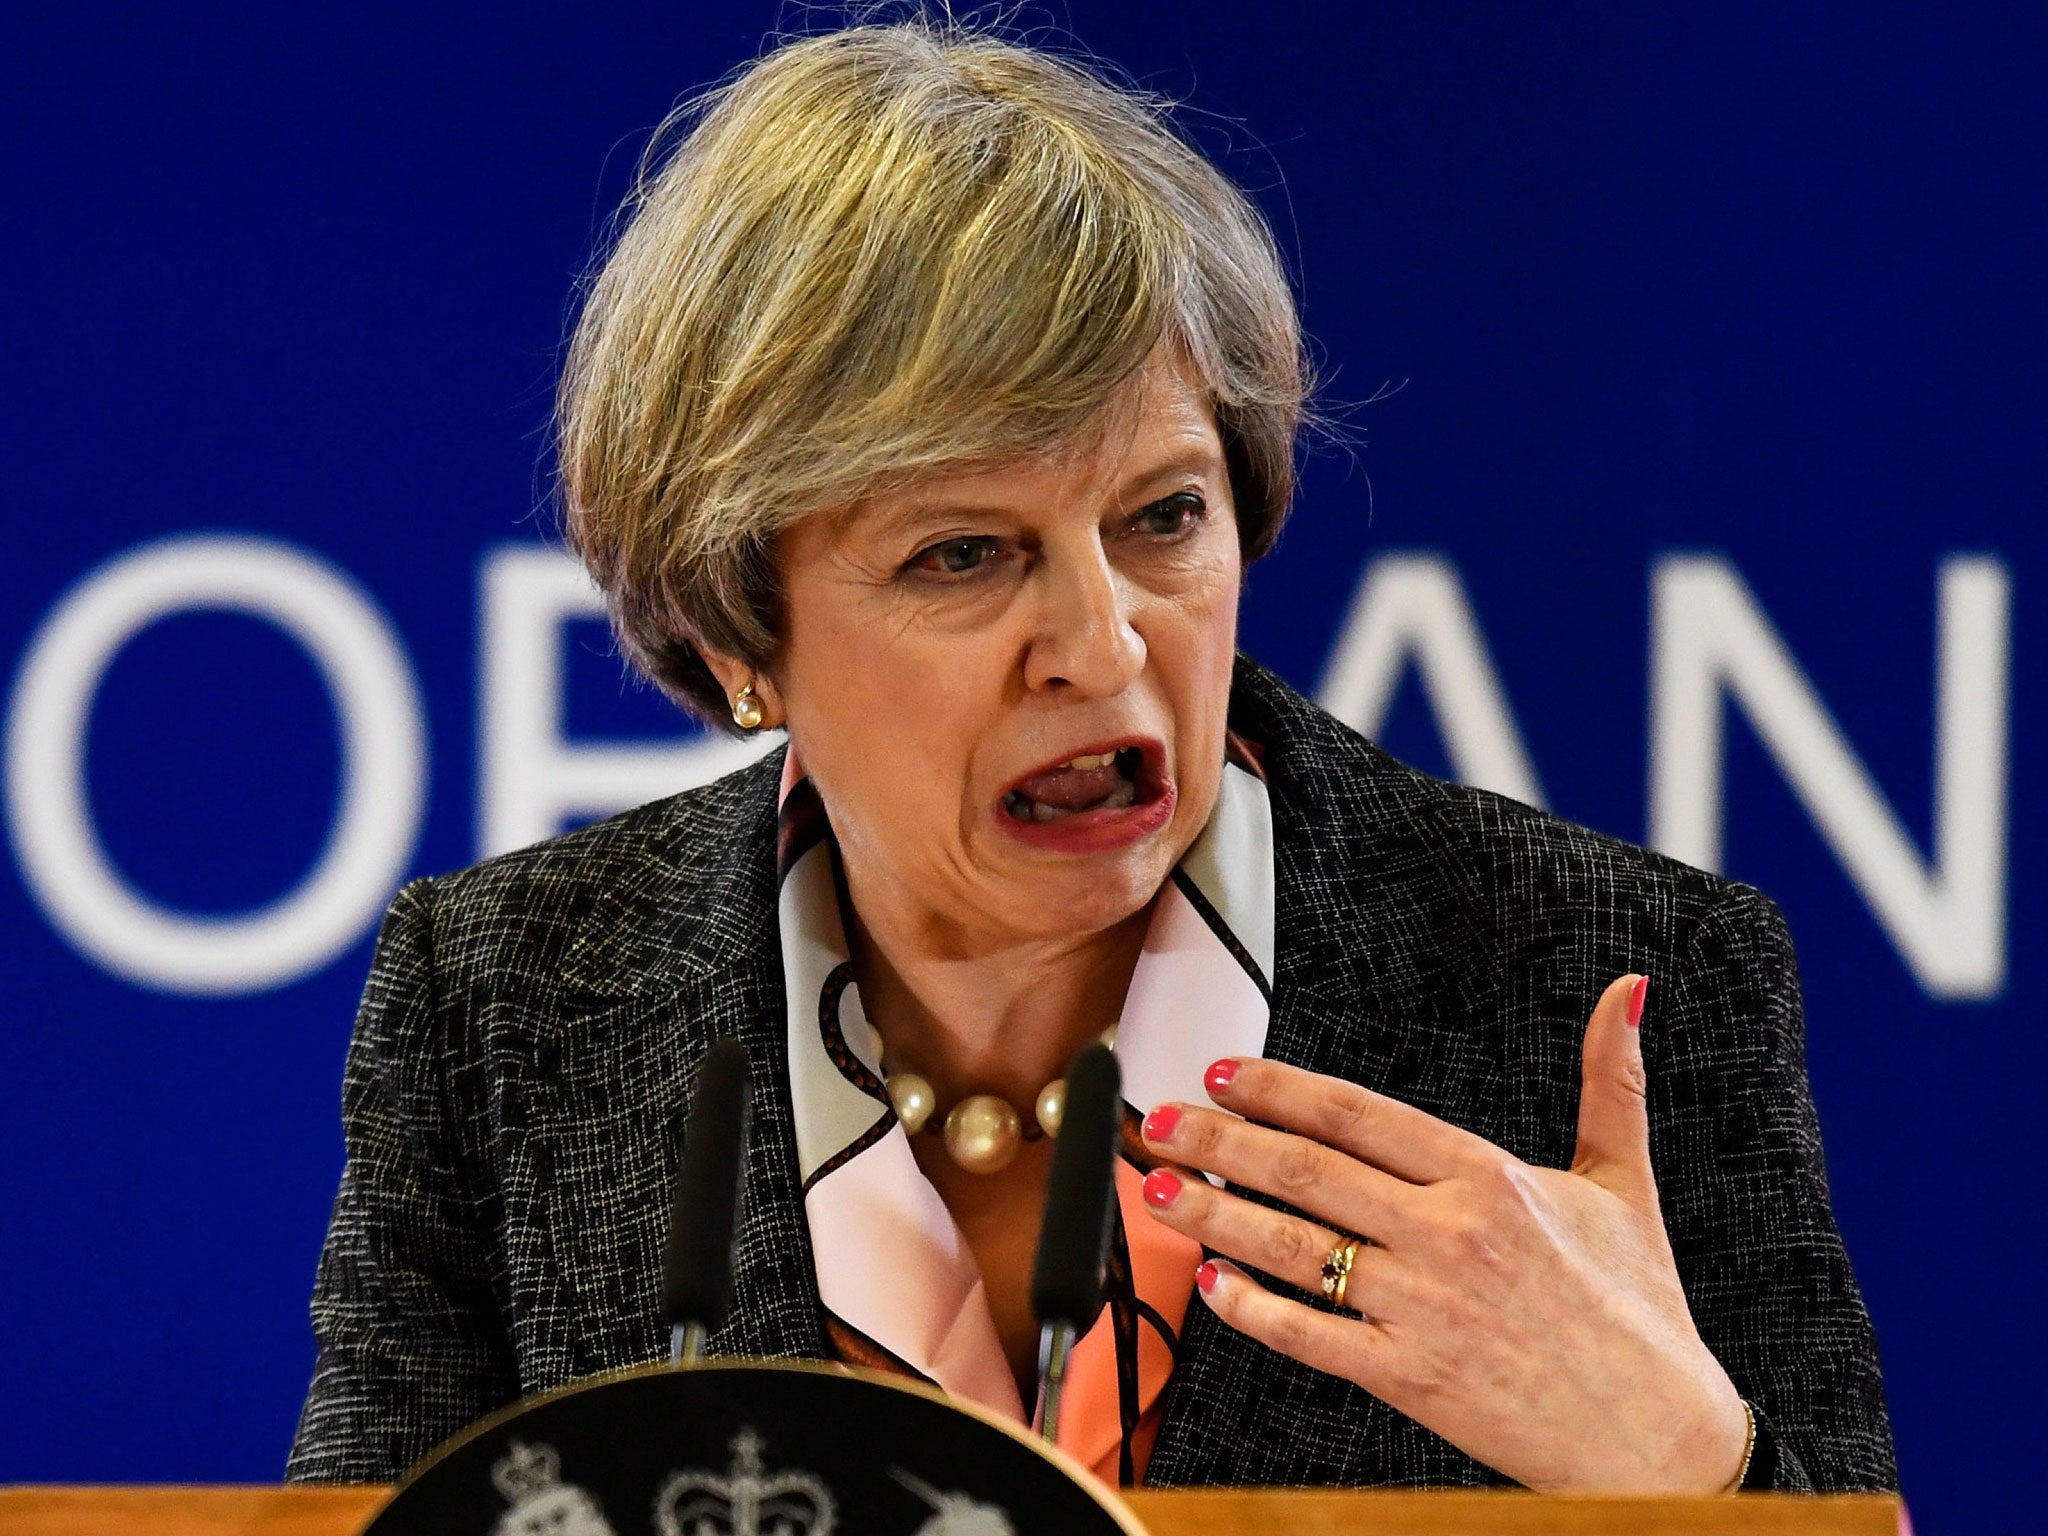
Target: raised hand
1532	1317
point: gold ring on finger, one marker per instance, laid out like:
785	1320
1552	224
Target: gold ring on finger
1337	1268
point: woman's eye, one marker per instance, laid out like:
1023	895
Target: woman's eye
954	557
1170	515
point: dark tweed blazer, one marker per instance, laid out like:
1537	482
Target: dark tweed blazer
522	1063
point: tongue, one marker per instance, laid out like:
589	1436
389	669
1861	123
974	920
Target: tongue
1071	789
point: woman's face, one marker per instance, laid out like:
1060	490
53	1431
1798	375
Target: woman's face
1010	686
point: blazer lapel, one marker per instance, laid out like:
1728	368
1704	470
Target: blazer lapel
1381	978
674	960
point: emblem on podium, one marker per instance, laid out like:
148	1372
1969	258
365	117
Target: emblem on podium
730	1448
530	1478
955	1514
747	1501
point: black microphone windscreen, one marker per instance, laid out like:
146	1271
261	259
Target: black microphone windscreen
696	1266
1080	1196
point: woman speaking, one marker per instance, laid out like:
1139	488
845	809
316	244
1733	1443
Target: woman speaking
930	407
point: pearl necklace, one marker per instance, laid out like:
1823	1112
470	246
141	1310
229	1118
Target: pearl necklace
983	1132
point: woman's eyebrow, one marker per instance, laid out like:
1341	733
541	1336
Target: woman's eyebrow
905	518
906	513
1198	460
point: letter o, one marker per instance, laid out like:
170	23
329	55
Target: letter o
383	779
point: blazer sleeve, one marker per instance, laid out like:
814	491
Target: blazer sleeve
1737	1150
410	1343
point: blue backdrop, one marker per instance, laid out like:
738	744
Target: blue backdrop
1708	344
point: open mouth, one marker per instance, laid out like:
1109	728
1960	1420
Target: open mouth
1094	781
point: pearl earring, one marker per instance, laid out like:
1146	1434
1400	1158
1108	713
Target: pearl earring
747	712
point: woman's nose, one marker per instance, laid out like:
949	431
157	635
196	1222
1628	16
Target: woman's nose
1085	638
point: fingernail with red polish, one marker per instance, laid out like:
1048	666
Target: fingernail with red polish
1218	1077
1206	1278
1160	1123
1636	995
1162	1188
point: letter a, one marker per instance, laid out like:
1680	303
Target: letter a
1415	606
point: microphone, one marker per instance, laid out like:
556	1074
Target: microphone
697	1261
1073	1242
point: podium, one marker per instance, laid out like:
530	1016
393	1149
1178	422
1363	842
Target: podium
554	1462
309	1511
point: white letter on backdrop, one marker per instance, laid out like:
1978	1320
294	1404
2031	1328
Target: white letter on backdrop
1415	606
383	780
530	777
1708	637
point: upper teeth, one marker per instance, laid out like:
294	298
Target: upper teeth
1099	760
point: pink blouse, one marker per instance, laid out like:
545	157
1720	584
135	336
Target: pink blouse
900	1287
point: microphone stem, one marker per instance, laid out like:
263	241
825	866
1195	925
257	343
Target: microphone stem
686	1344
1055	1342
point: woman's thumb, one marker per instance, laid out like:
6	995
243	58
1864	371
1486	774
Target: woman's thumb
1614	1108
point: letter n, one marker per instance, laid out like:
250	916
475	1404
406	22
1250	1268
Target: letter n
1946	916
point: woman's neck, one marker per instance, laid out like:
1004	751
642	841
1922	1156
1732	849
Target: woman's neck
985	1014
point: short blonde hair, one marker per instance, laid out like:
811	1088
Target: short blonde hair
876	254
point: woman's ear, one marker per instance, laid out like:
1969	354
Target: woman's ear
735	676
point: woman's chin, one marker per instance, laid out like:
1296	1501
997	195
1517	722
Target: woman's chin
1080	896
1084	920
